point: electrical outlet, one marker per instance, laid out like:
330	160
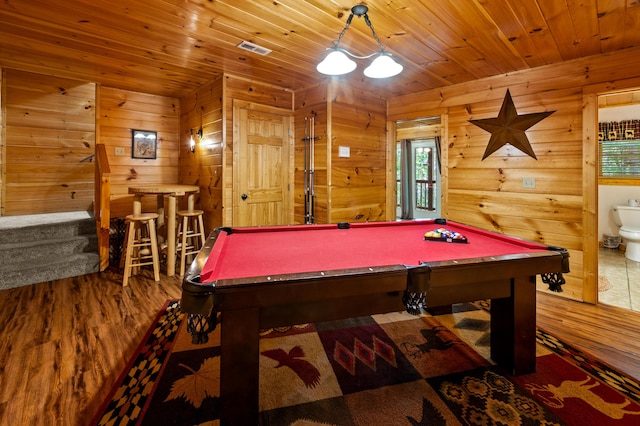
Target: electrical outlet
119	151
529	182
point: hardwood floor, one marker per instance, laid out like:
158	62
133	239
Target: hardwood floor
64	343
608	332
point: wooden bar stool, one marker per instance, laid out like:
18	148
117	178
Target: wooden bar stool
141	245
190	235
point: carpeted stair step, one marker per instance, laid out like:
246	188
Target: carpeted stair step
15	255
39	248
44	227
71	266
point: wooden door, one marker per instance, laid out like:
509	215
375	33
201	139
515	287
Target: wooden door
262	172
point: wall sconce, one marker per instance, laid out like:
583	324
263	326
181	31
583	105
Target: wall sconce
192	143
337	62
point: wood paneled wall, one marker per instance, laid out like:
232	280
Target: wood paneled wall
312	103
203	109
211	165
357	184
48	141
347	189
488	193
120	112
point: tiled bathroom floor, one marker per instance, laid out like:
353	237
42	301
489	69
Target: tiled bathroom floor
623	276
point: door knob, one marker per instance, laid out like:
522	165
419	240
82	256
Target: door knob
243	196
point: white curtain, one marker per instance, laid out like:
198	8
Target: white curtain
437	140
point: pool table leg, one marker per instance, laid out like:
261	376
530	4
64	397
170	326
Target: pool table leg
513	327
239	367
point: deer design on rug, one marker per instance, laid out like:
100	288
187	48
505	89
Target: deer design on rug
554	396
433	342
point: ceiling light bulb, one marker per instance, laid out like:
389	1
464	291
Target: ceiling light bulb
336	63
382	67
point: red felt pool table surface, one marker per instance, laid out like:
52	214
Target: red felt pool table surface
250	252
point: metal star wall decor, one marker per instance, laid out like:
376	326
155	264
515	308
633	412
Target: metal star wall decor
509	128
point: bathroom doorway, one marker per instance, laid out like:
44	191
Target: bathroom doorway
618	181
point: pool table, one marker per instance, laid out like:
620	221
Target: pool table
263	277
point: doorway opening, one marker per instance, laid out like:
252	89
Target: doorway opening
618	185
420	185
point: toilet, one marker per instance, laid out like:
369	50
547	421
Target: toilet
628	218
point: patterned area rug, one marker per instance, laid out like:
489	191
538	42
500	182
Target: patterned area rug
391	369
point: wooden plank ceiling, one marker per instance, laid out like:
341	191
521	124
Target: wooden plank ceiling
171	47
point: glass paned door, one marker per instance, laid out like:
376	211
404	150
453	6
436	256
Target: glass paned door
423	180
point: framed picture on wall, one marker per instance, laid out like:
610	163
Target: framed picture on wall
143	144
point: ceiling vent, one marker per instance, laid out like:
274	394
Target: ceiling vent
254	48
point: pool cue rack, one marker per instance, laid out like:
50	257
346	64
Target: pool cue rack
309	152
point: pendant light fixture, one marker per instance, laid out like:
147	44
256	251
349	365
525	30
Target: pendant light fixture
337	61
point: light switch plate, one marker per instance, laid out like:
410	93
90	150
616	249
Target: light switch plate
529	182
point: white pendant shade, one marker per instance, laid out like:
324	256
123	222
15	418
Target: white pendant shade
382	67
336	63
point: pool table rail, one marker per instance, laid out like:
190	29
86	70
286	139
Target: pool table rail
442	283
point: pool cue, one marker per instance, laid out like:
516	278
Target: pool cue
309	168
312	195
307	195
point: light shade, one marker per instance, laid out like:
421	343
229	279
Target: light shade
382	67
336	63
